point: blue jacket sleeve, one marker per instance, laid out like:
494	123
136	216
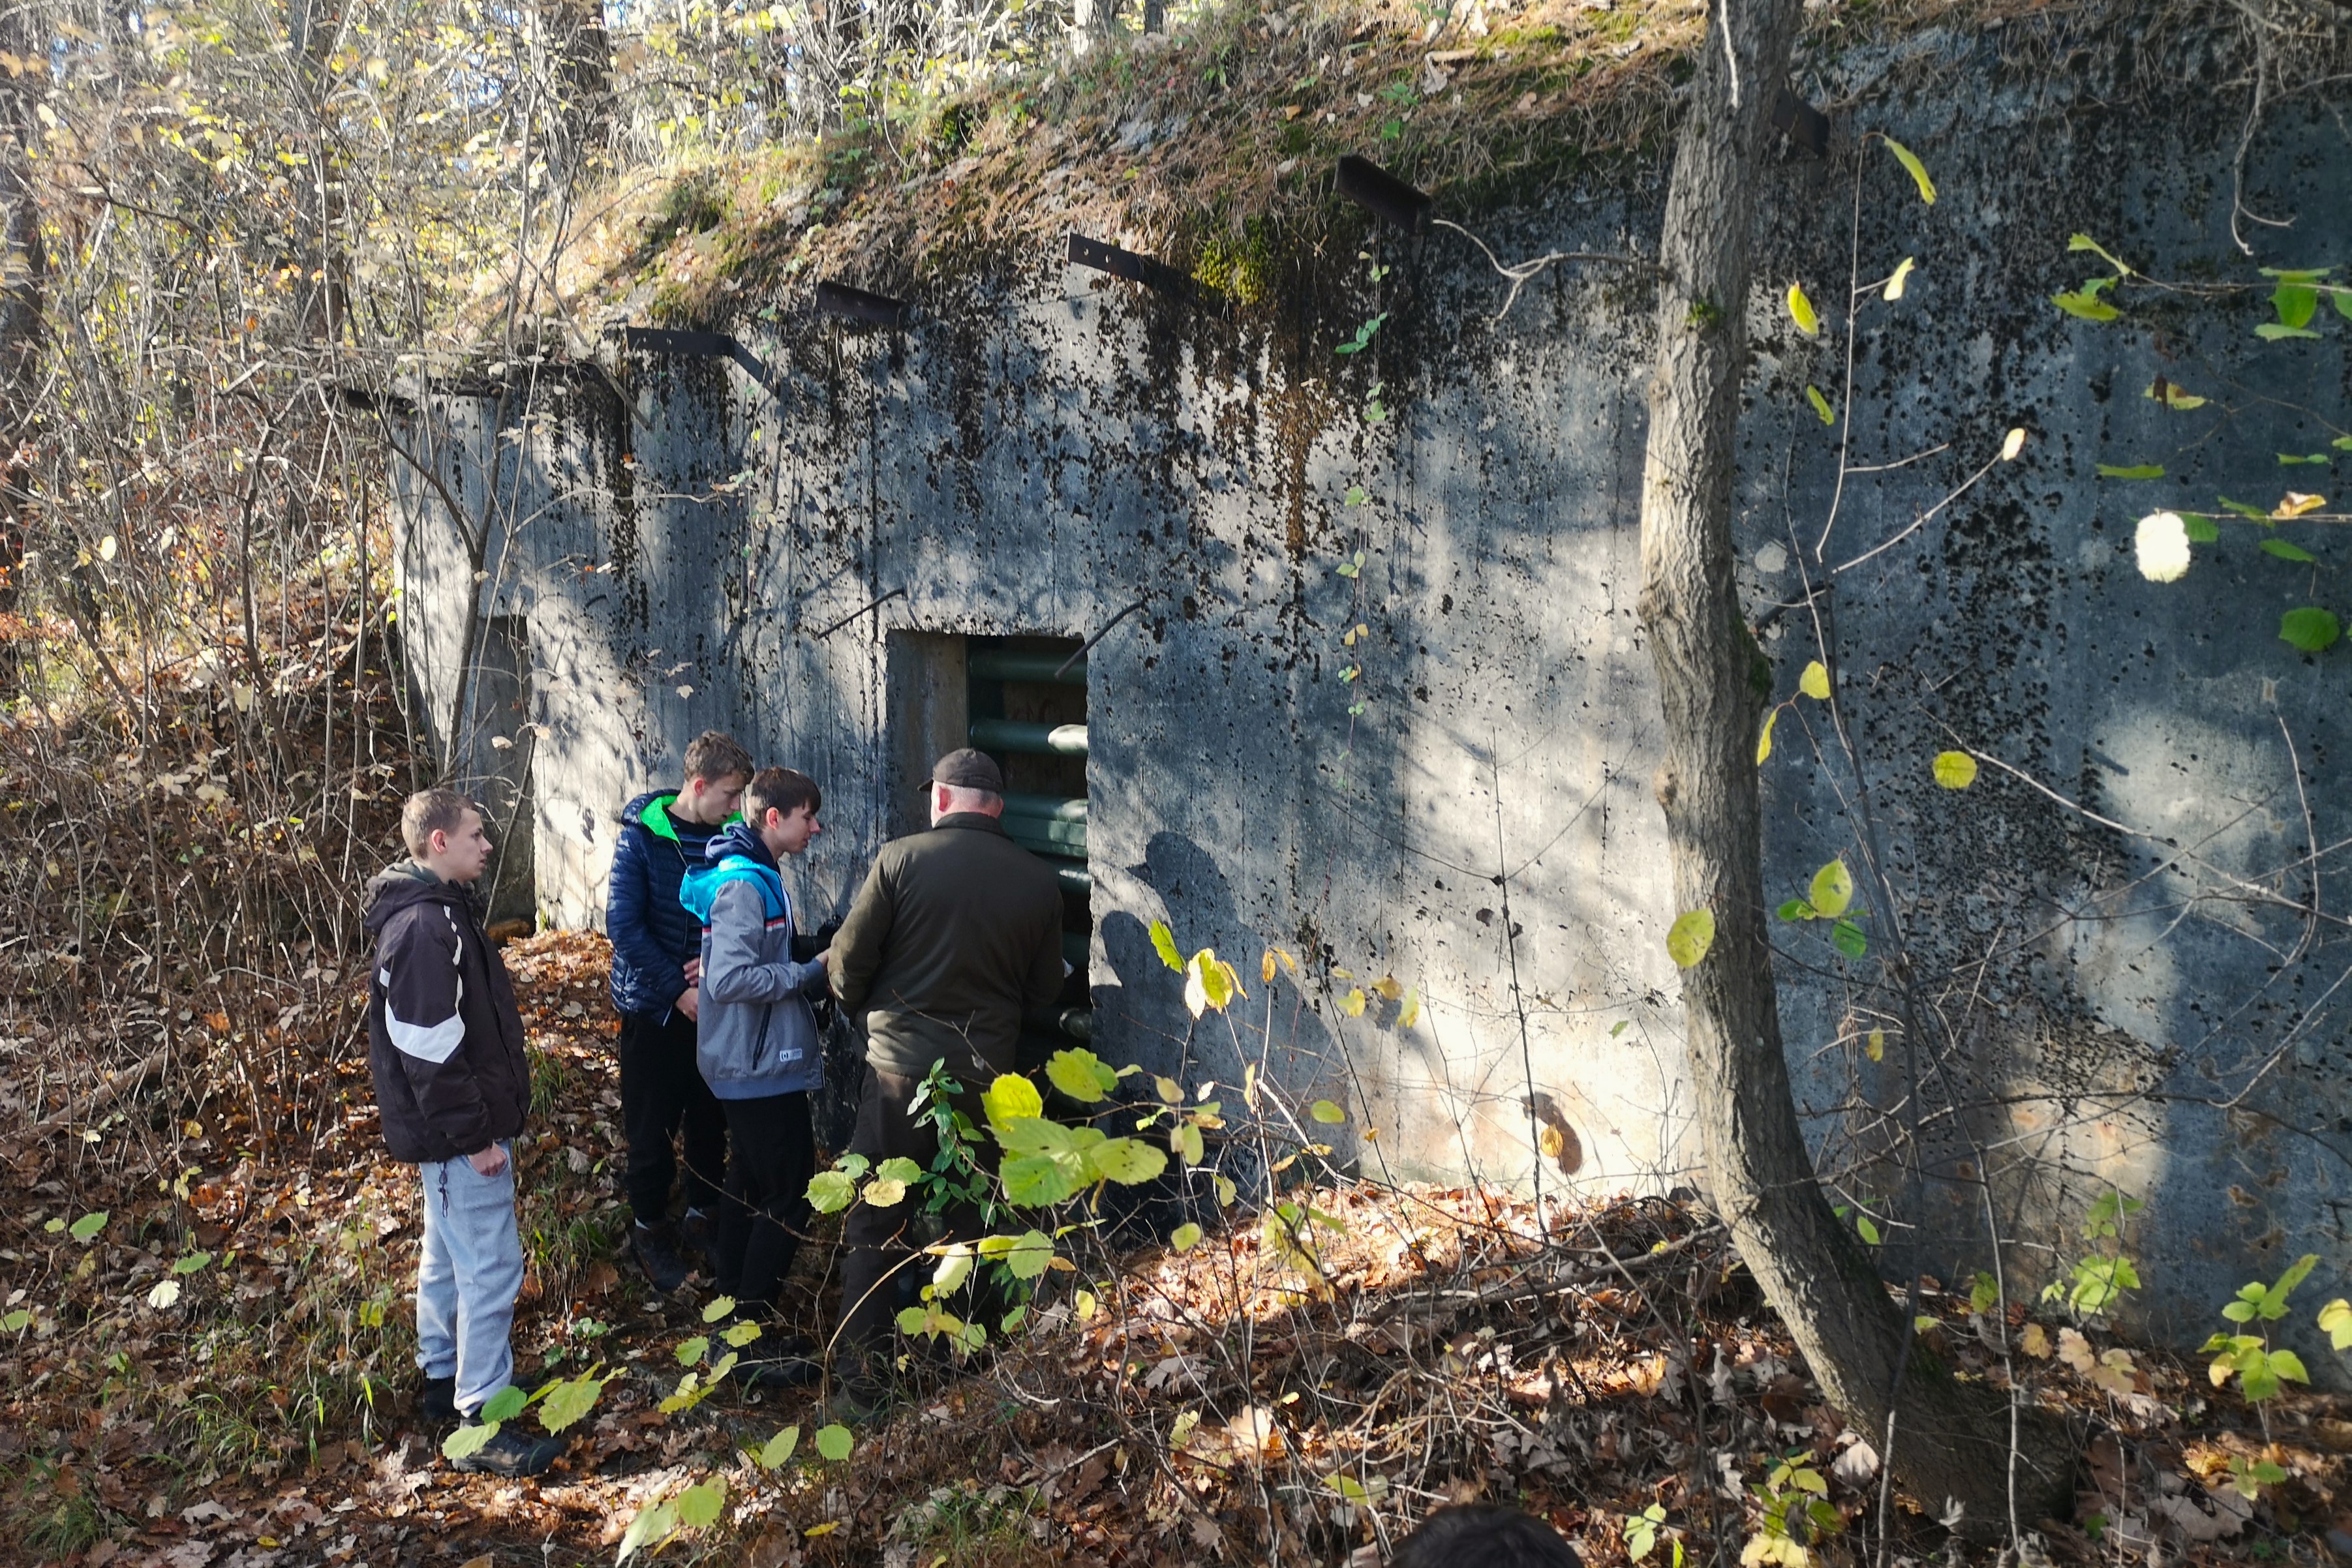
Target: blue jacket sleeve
734	972
628	923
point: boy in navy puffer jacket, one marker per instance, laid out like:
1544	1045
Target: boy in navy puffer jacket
759	1049
656	962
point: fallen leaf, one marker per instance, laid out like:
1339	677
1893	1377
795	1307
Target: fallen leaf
2075	1352
2036	1340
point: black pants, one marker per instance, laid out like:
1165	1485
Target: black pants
771	1155
663	1095
877	1265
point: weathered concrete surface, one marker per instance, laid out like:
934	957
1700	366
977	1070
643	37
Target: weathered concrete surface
2150	1012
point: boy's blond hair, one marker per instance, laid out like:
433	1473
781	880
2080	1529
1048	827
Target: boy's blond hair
431	812
715	756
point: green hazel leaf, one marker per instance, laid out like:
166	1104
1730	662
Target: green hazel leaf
741	1334
835	1442
1798	909
2342	299
1073	1072
1916	170
2296	1274
1127	1161
567	1402
2290	459
191	1262
1356	496
1868	1231
779	1448
2238	1311
655	1523
1185	1237
2085	303
1163	942
21	1318
691	1352
1820	405
901	1169
2272	332
885	1192
717	1308
2342	443
2311	629
829	1192
1832	889
1954	769
1029	1254
88	1225
467	1439
1802	311
1690	936
1328	1112
1032	1181
1036	1136
2295	301
1186	1141
2137	471
2286	551
505	1405
1847	938
698	1506
1984	1293
2200	528
1012	1098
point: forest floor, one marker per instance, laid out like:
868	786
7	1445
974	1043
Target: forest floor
215	1373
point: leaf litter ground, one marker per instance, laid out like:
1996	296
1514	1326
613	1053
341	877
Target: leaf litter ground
1257	1395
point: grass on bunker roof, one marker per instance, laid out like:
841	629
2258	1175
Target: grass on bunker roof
1211	147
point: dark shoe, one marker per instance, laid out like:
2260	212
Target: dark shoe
436	1401
511	1454
656	1247
855	1402
787	1365
700	1230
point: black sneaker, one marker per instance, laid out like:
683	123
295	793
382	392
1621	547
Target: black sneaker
656	1247
436	1401
511	1453
700	1230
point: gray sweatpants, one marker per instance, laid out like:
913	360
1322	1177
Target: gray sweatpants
467	1277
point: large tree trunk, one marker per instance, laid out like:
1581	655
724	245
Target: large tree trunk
1950	1440
24	279
576	63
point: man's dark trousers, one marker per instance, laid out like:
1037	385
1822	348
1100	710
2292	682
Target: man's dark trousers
771	1153
663	1095
875	1244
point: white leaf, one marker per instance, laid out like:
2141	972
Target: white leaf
2161	547
165	1293
686	691
1857	1467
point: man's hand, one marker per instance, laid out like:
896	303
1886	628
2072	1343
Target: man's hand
821	957
694	971
488	1162
689	1002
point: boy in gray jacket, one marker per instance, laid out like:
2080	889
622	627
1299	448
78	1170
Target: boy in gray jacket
758	1048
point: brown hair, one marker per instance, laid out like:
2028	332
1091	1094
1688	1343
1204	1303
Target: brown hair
781	788
431	812
715	754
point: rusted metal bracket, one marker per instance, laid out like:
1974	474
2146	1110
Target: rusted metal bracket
1156	276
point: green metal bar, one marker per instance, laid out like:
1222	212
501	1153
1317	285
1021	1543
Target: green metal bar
1019	734
1011	664
1072	873
1053	808
1047	838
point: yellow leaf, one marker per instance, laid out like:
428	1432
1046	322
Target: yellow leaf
1894	289
2012	445
1815	681
1764	737
828	1528
1802	311
1918	171
1833	890
2296	504
1552	1142
1388	988
2036	1340
1877	1046
1954	769
1265	968
1690	936
1409	1012
1352	1004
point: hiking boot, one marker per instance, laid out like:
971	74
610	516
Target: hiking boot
701	1231
780	1360
436	1401
656	1249
855	1402
511	1454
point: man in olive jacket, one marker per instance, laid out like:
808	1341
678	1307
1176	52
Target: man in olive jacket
955	936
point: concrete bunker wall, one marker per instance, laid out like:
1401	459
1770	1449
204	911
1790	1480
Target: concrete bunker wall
1468	811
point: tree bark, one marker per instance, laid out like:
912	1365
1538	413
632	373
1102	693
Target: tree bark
1951	1440
576	63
